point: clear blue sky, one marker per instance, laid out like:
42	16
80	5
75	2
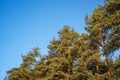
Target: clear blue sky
25	24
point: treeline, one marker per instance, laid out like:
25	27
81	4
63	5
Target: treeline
74	56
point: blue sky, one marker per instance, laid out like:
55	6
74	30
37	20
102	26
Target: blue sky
25	24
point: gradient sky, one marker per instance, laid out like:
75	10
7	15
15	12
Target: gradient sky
25	24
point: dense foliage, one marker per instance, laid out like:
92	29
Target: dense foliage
74	56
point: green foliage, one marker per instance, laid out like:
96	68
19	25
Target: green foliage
104	29
25	71
116	69
74	56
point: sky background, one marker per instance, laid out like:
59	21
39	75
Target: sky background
25	24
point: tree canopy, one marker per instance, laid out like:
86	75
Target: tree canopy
74	56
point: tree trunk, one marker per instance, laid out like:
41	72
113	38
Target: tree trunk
68	71
108	69
97	69
106	55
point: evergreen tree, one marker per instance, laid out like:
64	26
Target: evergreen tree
116	69
24	72
86	56
72	56
104	29
61	48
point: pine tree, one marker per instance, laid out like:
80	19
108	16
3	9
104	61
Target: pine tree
24	72
74	56
61	48
116	69
85	58
104	29
70	57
